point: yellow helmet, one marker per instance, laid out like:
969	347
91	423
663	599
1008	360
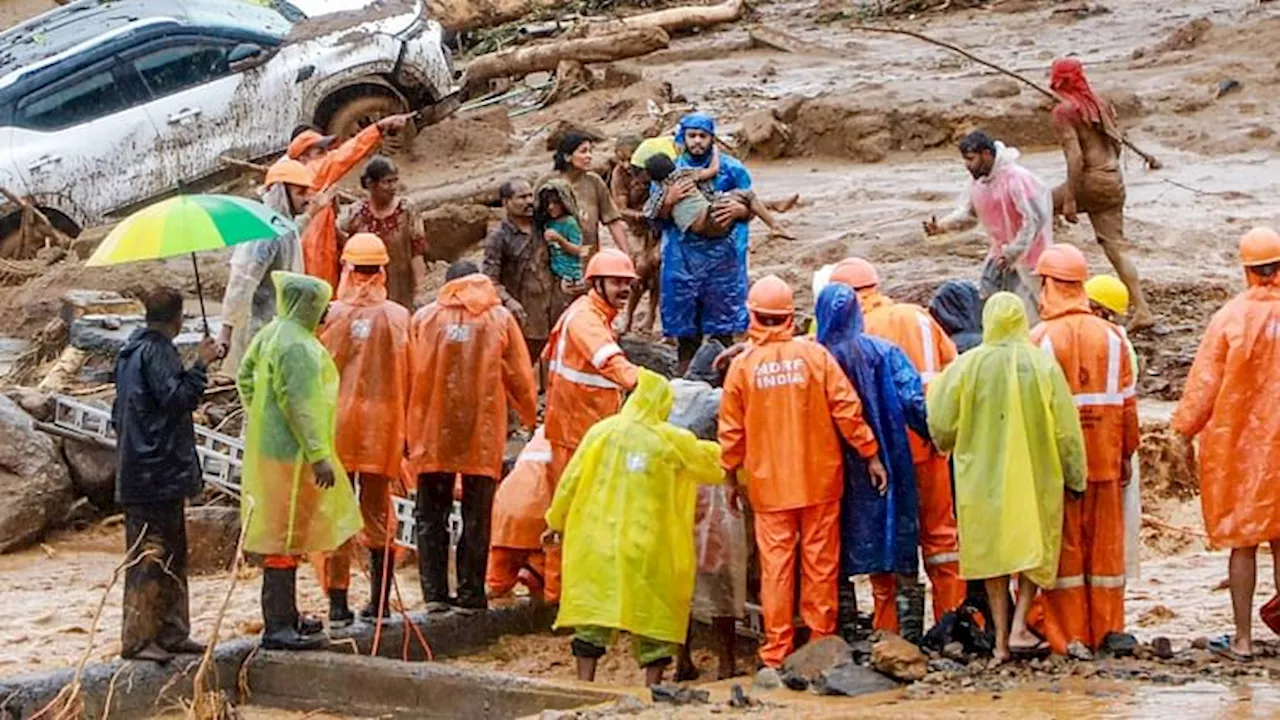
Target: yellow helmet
1109	292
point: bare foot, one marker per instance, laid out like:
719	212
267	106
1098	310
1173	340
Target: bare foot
785	204
1141	323
783	232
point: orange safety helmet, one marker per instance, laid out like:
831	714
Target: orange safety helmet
1260	246
611	263
771	295
365	249
306	140
856	273
1063	262
290	172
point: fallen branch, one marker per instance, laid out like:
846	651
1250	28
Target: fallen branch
1157	522
684	18
31	215
1151	161
521	61
211	704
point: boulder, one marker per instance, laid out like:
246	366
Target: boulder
810	661
1000	87
656	356
35	488
899	659
93	471
851	679
767	679
212	534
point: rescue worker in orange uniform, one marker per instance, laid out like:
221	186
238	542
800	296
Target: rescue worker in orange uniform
587	370
1086	603
368	337
519	519
320	240
786	405
930	349
469	365
1230	402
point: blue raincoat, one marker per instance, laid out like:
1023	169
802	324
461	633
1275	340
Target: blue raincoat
879	533
704	280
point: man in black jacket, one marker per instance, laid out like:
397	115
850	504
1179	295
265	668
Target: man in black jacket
158	470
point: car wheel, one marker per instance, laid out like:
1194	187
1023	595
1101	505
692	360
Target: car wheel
359	113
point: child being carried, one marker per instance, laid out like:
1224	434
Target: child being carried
696	211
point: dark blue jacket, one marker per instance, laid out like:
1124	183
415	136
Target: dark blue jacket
958	309
155	437
879	533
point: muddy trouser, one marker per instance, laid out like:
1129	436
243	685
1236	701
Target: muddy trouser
155	589
560	457
334	569
1086	603
1020	281
431	516
591	641
1102	199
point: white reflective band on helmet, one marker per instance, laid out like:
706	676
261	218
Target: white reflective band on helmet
604	353
940	558
1107	581
1068	582
930	368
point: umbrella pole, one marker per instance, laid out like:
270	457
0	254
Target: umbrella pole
204	319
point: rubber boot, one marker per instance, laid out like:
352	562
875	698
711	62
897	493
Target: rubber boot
378	592
847	612
340	615
910	602
280	613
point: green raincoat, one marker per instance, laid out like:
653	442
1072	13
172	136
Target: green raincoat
625	505
289	387
1008	413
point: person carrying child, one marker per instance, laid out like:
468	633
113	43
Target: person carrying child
696	211
555	222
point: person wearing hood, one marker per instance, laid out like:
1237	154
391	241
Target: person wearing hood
880	527
1086	603
469	366
786	404
587	370
1006	412
1091	141
1230	402
519	519
295	496
249	302
157	469
320	240
925	343
1016	210
957	307
368	336
555	222
703	280
626	499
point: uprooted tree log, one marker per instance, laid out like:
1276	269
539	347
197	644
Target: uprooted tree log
678	19
35	226
518	62
472	14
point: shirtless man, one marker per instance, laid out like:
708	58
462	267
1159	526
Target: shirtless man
630	189
1086	127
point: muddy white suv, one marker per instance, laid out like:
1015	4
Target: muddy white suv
105	105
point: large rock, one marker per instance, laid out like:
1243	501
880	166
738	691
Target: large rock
35	488
656	356
815	658
851	679
212	535
93	471
899	659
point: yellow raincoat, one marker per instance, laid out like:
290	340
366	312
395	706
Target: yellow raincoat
625	506
1006	410
289	385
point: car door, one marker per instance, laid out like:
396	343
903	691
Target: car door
193	92
82	139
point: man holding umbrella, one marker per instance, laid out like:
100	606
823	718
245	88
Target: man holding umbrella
249	302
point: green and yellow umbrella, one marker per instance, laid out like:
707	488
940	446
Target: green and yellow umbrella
188	224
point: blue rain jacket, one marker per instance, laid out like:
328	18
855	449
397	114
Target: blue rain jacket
879	533
704	281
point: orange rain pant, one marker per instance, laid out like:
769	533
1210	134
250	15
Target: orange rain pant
1087	601
817	530
560	456
938	545
333	570
508	566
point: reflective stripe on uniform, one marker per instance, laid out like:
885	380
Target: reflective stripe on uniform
536	457
1114	394
1068	582
941	558
604	353
579	377
930	369
1106	581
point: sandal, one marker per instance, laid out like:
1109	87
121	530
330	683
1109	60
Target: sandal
1221	647
1039	651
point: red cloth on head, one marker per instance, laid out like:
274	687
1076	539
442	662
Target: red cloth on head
1067	79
